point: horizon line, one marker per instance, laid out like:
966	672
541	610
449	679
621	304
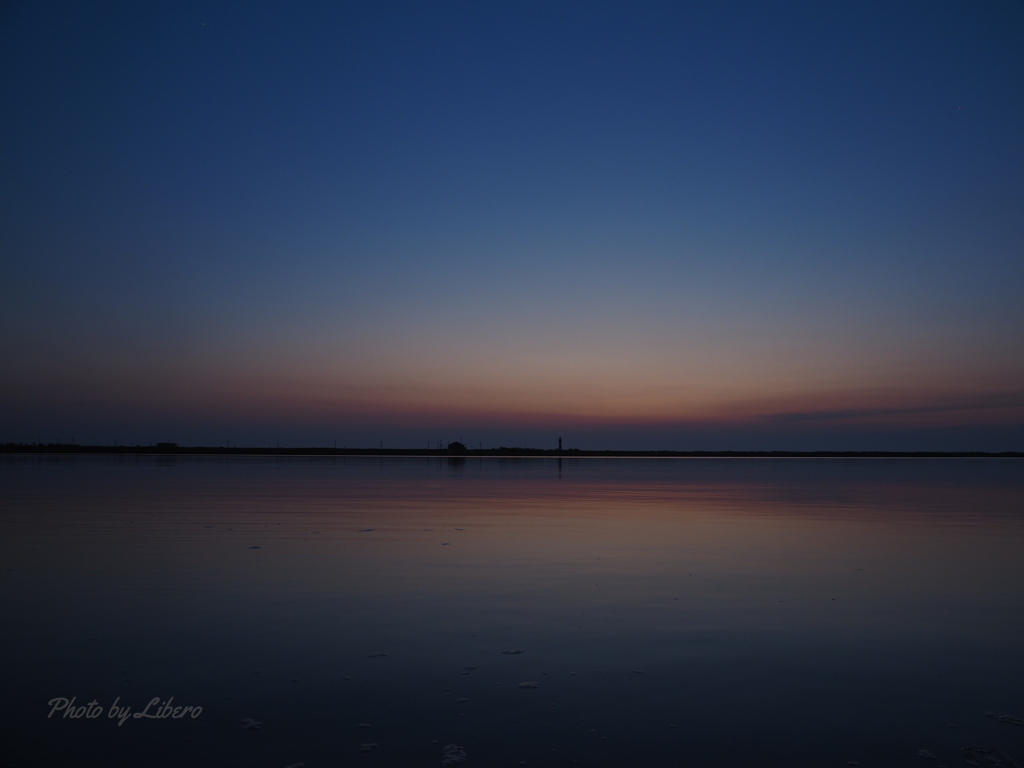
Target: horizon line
169	448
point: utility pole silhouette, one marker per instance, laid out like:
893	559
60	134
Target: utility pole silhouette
559	445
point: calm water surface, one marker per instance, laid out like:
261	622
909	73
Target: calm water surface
670	611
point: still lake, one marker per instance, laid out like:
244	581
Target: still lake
365	611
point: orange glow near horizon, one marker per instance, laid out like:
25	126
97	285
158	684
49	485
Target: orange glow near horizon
536	385
605	403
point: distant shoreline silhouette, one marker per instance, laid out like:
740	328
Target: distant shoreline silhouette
163	449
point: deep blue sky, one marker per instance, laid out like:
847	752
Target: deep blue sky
645	224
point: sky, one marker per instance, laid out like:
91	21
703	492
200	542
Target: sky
666	225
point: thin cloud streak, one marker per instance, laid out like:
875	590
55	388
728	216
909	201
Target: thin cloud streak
985	402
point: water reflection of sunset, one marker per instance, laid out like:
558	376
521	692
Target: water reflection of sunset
308	592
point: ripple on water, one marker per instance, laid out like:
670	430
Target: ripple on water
453	754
